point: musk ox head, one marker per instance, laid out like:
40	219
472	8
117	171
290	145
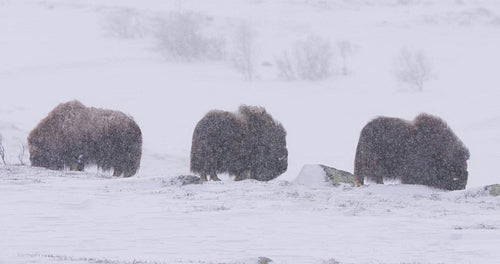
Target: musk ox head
424	151
52	142
73	136
247	144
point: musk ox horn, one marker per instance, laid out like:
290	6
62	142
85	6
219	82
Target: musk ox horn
424	151
73	135
248	144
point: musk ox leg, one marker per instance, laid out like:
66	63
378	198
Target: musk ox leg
358	180
379	174
127	174
359	165
117	172
77	165
245	175
203	176
81	163
214	177
80	166
248	175
73	167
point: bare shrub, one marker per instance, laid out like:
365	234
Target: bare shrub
243	56
314	58
346	49
2	151
183	36
413	69
23	149
285	67
331	261
310	59
125	23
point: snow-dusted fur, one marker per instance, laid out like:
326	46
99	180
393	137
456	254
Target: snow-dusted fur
246	144
425	151
73	135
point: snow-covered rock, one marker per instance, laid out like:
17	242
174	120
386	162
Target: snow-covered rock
183	180
494	189
264	260
316	174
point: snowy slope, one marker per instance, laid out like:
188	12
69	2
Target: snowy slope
52	51
52	215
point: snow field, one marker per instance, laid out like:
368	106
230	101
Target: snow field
231	222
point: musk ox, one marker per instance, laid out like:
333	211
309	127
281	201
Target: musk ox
73	135
424	151
248	144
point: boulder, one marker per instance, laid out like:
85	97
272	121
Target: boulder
183	180
317	174
337	177
494	189
264	260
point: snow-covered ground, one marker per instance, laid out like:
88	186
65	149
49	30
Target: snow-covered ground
107	54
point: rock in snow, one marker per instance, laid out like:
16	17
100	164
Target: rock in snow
264	260
184	180
493	189
317	174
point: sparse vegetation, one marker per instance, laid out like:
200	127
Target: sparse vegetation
243	57
312	60
90	260
413	69
2	151
182	36
285	67
22	153
346	49
331	261
126	23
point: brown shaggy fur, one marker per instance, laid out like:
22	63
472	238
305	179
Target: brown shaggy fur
248	144
73	136
425	151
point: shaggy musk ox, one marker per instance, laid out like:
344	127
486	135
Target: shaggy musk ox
424	151
73	136
248	144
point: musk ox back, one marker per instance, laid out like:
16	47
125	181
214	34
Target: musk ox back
425	151
73	136
248	144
